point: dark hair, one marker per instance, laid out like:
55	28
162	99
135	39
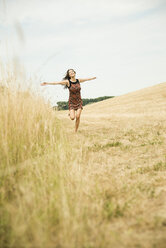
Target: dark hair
67	77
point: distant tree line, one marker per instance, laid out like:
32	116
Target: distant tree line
64	105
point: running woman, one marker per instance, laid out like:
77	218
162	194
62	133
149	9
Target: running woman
75	101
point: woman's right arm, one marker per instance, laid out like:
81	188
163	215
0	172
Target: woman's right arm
64	82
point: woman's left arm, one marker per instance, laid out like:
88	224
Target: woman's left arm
86	79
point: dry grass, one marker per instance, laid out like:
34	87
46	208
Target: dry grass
102	187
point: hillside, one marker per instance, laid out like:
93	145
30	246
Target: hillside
148	100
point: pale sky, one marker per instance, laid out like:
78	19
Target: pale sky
121	42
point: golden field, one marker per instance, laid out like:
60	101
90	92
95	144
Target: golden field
101	187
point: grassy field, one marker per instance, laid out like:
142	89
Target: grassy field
99	188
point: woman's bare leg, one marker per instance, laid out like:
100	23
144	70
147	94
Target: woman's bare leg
72	114
78	114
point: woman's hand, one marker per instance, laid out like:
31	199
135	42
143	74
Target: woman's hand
94	77
43	84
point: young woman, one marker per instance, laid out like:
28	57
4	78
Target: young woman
75	101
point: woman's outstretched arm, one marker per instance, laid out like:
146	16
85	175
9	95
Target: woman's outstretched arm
86	79
64	82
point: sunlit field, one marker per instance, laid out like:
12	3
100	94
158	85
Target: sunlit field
101	187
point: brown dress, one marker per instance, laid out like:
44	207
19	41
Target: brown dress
75	101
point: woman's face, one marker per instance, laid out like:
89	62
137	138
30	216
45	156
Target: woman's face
71	73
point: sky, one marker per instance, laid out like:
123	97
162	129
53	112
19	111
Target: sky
121	42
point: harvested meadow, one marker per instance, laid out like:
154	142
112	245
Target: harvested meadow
99	188
121	150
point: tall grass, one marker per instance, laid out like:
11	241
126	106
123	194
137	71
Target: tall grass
32	153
